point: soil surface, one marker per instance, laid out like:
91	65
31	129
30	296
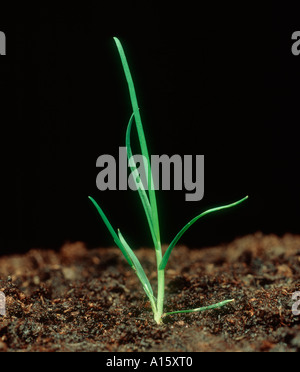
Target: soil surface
81	299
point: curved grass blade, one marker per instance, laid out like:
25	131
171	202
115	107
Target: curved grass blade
138	269
210	307
141	136
112	232
141	190
188	225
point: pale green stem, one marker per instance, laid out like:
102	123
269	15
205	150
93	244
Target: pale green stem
160	285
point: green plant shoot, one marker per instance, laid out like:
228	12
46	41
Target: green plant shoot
148	200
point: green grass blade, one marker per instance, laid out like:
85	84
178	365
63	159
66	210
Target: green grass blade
138	267
210	307
142	139
112	232
142	193
188	225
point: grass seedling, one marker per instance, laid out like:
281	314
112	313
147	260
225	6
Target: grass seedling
148	200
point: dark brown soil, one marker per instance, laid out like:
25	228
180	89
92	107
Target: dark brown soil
83	299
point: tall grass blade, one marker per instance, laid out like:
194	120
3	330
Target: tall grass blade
142	139
209	307
188	225
141	190
112	232
139	269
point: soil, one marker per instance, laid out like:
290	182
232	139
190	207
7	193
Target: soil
83	299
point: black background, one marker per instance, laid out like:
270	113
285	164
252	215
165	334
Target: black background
213	80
